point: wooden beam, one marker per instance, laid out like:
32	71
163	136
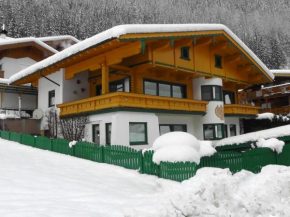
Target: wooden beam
182	77
219	46
245	68
183	42
233	58
105	79
203	41
123	68
110	58
255	78
162	74
161	45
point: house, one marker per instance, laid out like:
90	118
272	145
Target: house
17	54
272	97
135	82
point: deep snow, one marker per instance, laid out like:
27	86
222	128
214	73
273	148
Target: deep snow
34	183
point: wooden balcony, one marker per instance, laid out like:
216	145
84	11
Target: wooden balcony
131	100
239	109
283	110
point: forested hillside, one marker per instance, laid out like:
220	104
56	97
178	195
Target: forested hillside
262	24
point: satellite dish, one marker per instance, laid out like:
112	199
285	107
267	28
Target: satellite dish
37	114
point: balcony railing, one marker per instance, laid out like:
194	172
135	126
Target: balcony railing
131	100
238	109
283	110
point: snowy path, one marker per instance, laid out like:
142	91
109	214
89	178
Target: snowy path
39	183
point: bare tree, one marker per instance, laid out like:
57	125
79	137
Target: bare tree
73	129
52	122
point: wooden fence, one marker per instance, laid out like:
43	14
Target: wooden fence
249	159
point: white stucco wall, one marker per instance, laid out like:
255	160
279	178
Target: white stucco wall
233	120
120	127
72	90
10	100
210	117
44	86
11	66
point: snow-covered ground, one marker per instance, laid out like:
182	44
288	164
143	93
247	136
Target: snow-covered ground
34	183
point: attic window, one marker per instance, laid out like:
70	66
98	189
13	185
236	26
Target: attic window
184	53
218	61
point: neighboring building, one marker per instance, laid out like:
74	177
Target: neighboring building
136	82
17	54
272	97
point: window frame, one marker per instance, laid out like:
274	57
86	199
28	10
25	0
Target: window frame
187	48
235	127
49	98
146	134
183	86
171	127
214	135
98	87
93	132
230	93
226	130
218	58
211	93
108	140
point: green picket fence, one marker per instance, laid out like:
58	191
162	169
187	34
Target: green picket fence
89	151
284	157
27	139
177	171
43	143
255	159
122	156
5	135
62	146
16	137
148	166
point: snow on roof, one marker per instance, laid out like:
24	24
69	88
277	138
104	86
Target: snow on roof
58	38
255	136
280	71
118	31
25	40
4	81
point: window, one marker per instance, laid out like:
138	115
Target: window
218	61
96	134
138	133
108	133
226	131
167	89
51	98
166	128
229	97
233	130
211	93
213	131
184	53
114	86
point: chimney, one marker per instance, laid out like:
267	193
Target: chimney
3	32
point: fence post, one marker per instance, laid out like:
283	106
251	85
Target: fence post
51	144
140	156
73	150
102	154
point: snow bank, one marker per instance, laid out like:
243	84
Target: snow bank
273	143
176	138
265	115
118	31
206	149
255	136
5	116
72	143
176	154
180	147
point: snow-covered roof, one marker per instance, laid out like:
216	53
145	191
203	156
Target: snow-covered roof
4	81
57	38
278	72
11	41
121	30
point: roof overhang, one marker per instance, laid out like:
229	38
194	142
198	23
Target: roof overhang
120	35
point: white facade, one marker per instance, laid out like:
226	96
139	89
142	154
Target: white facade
11	66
